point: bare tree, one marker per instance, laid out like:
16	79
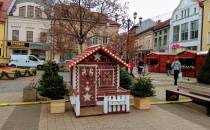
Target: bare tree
80	19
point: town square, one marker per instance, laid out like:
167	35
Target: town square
104	65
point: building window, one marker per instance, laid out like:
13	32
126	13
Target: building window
105	38
184	31
159	41
176	33
22	11
195	10
208	38
182	13
38	12
160	33
176	17
165	40
95	39
30	11
155	33
194	48
165	31
194	29
188	12
29	37
15	35
43	37
155	42
209	15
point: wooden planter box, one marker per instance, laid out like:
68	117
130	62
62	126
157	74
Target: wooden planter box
142	103
57	106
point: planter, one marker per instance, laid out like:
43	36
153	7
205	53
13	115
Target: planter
57	106
142	103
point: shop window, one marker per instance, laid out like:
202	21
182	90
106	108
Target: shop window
22	11
38	12
153	62
184	31
194	29
30	11
29	37
43	37
176	33
188	63
15	35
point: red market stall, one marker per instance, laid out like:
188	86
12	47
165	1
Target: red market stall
191	62
157	61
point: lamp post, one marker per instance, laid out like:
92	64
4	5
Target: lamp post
128	24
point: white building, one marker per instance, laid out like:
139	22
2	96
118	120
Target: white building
28	28
185	26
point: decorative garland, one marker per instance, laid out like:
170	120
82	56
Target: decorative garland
5	75
17	73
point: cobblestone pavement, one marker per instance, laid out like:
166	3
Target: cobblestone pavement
185	116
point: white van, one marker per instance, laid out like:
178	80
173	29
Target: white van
26	61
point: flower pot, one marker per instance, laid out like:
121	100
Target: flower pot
57	106
142	103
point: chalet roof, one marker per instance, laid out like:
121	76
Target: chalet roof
4	6
89	51
195	52
160	53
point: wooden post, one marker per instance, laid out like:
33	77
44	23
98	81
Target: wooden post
106	104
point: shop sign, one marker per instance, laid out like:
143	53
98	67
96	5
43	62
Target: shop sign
19	44
39	46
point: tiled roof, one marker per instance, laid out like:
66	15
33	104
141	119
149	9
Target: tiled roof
160	25
89	51
4	5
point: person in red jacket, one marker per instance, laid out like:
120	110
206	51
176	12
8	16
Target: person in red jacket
132	65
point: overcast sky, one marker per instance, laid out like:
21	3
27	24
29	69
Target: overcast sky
152	8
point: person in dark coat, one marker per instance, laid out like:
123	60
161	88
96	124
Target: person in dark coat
168	68
140	66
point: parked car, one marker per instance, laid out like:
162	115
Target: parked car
30	61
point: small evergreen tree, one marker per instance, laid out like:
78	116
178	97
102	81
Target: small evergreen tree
51	84
143	88
204	73
125	79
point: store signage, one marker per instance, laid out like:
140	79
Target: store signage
19	44
39	46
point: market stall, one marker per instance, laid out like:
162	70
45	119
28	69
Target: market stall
157	61
191	62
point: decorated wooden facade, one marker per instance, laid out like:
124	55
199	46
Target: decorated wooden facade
191	62
95	81
157	61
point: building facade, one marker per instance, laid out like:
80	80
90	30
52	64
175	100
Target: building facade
28	28
161	36
4	5
206	26
185	26
144	39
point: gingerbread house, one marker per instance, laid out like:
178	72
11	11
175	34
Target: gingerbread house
95	81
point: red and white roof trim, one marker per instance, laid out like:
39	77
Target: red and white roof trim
90	50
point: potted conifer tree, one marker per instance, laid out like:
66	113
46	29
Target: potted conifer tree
52	86
141	91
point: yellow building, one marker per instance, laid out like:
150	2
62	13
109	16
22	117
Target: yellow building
4	5
206	26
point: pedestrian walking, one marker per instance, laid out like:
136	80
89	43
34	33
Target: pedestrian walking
132	65
140	66
177	69
168	68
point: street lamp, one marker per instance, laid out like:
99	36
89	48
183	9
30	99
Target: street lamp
128	24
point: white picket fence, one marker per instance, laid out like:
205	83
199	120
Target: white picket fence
119	103
75	102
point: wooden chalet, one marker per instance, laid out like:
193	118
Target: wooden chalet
95	82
